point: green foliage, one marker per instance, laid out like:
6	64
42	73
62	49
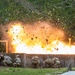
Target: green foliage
61	12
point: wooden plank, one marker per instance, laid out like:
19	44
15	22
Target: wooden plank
6	41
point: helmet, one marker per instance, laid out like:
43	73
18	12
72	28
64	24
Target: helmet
17	55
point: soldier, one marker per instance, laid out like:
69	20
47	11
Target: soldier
17	61
7	60
56	62
35	62
1	59
48	62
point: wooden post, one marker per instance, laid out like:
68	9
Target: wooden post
6	41
6	46
24	60
69	68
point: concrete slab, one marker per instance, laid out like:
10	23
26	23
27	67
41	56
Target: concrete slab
69	73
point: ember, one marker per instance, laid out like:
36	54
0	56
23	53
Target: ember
38	38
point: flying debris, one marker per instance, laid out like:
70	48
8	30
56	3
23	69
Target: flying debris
27	38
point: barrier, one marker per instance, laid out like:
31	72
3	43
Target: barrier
26	58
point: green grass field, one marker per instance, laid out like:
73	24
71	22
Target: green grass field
31	71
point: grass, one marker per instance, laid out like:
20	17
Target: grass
31	71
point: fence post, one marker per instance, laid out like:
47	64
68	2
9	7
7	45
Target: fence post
24	59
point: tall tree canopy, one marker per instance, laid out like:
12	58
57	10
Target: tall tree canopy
61	12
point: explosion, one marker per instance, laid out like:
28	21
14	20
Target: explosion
37	38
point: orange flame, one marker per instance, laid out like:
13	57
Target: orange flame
39	38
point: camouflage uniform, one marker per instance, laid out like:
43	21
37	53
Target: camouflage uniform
56	62
17	62
35	62
1	59
7	60
48	63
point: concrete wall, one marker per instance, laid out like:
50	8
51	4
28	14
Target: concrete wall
26	58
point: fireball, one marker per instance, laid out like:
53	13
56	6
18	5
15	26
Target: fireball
39	38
